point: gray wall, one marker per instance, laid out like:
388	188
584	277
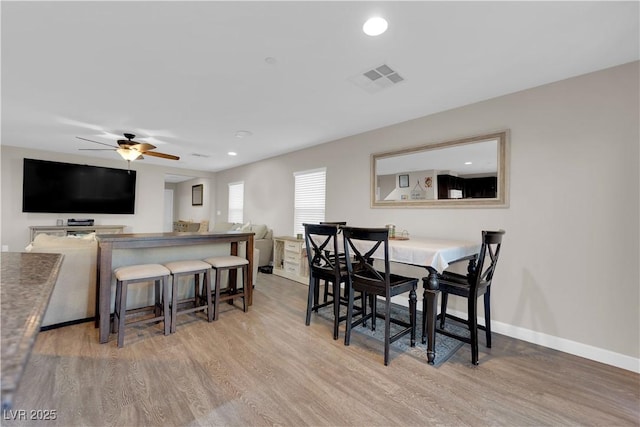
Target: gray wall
568	276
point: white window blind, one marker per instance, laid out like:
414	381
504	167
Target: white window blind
309	202
236	201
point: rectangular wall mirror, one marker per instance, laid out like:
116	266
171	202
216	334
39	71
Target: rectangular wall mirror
467	172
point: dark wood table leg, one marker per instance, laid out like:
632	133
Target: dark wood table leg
430	307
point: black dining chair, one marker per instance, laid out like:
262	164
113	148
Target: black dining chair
322	243
472	286
364	277
327	289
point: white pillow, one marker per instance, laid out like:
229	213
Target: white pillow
222	227
246	228
260	230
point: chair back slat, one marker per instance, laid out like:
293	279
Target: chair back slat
363	271
489	254
322	247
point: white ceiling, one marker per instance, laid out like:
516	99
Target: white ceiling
186	76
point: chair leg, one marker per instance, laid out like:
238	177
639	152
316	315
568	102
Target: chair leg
443	309
387	328
364	302
336	307
373	301
473	327
121	316
412	315
487	316
326	291
316	295
310	294
347	332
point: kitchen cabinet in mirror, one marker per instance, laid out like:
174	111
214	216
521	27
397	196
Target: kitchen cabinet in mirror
466	172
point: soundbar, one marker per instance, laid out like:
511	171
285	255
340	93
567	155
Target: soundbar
72	221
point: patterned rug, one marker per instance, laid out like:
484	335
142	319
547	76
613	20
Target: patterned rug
445	346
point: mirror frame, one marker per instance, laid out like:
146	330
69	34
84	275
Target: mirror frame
501	201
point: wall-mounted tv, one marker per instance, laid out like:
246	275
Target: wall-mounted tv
55	187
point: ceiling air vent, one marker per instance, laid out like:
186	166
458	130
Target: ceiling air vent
378	78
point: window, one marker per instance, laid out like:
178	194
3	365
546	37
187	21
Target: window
309	198
236	201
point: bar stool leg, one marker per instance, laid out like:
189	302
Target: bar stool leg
174	302
121	316
165	297
244	287
116	311
216	302
207	290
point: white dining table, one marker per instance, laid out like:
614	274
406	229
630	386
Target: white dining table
435	255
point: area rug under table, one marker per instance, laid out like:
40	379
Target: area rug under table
445	346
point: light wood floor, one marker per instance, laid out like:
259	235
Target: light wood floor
266	367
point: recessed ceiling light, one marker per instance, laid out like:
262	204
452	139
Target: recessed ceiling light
243	133
232	153
375	26
468	163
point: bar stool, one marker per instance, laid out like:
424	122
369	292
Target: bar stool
189	268
131	274
229	263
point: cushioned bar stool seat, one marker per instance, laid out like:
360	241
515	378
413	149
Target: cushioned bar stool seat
131	274
189	268
229	263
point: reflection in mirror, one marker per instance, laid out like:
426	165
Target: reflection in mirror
465	172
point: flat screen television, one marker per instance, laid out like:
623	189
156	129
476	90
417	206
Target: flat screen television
55	187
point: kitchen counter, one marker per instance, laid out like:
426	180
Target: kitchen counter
26	284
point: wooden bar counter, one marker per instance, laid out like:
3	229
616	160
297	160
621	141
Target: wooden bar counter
26	284
115	250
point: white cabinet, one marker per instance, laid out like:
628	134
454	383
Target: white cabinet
290	259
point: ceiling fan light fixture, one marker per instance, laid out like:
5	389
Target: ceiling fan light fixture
129	154
375	26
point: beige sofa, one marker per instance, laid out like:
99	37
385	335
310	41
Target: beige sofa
263	240
74	295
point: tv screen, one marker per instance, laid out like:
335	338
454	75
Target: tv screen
55	187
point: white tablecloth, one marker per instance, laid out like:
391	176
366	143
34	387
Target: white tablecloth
424	251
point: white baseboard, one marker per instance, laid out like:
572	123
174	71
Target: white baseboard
561	344
572	347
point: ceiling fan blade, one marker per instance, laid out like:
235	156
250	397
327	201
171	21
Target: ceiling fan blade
143	147
164	156
101	143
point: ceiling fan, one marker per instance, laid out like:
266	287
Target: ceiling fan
130	149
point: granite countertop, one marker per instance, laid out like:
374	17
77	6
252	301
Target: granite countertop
26	284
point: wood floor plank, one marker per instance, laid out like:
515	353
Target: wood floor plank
265	367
